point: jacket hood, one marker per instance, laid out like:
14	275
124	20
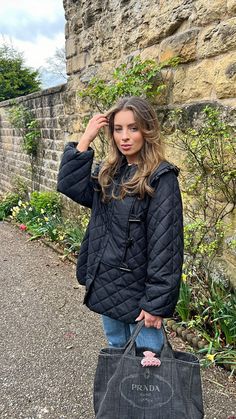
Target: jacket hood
164	167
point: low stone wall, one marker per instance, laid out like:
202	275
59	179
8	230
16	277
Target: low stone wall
48	107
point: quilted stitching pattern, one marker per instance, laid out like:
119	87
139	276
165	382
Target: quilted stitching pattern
131	257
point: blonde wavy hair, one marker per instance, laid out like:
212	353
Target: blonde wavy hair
148	159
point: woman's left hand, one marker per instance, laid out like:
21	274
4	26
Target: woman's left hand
150	320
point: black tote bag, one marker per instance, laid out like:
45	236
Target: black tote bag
125	389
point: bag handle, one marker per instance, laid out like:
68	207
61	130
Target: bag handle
131	342
166	352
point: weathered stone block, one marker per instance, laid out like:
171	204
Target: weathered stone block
150	52
183	45
192	83
165	19
71	49
217	39
209	11
69	70
225	76
79	62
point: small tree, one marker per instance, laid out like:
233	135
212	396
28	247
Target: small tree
15	78
57	63
209	186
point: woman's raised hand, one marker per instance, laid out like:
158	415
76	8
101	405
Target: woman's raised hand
95	124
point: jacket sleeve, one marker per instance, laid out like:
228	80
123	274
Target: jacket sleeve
165	248
74	177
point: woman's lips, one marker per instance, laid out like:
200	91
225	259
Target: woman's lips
126	146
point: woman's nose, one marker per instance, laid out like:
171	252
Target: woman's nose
125	135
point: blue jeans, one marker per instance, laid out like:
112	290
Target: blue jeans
118	333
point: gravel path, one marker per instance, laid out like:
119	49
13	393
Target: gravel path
49	341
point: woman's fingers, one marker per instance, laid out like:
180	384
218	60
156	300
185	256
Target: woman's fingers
150	319
140	317
95	124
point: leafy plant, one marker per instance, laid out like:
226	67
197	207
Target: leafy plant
41	214
7	203
73	238
133	78
22	119
47	226
209	192
185	295
209	186
48	202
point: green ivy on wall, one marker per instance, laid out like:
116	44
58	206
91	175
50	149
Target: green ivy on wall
23	120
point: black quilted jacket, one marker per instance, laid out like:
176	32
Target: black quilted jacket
131	256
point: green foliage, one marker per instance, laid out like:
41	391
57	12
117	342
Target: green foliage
209	187
20	186
231	244
73	232
203	240
183	305
73	236
48	202
41	217
7	203
23	119
212	313
208	183
45	225
134	78
15	78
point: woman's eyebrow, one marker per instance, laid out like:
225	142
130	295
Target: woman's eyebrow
129	125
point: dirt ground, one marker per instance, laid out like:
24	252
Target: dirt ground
49	341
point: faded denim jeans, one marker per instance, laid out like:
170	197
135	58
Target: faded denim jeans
118	333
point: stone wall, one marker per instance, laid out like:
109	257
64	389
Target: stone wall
48	108
102	33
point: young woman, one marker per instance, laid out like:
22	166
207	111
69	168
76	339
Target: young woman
131	256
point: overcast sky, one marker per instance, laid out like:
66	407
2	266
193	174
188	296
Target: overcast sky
34	27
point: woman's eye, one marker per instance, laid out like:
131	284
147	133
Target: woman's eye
117	129
134	129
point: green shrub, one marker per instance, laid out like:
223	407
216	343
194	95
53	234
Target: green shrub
7	203
45	202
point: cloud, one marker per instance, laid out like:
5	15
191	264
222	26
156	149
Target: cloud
36	53
34	27
27	19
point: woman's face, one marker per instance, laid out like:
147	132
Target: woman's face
127	136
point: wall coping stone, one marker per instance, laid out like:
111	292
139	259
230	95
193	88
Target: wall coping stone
51	90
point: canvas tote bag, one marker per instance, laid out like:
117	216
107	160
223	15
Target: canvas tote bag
125	389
